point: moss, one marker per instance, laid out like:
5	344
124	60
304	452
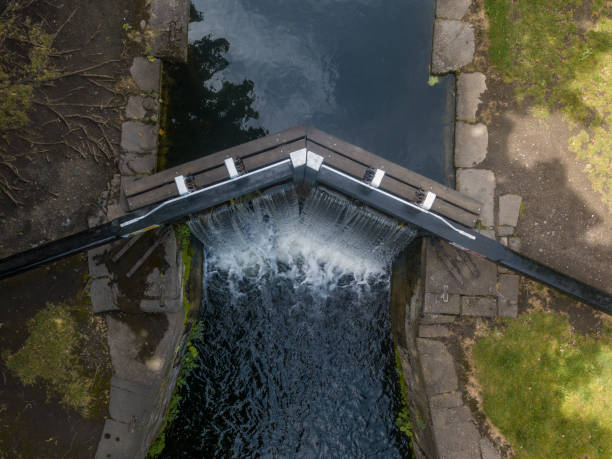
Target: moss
403	417
56	354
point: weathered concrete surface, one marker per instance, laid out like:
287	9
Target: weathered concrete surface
478	306
437	277
137	163
509	209
438	367
135	109
487	233
488	450
164	292
146	73
507	295
470	87
169	21
129	400
456	434
435	304
446	400
103	293
119	440
97	267
138	137
433	331
514	243
505	230
433	319
480	185
452	9
453	46
471	144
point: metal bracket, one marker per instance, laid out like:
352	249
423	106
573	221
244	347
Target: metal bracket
230	165
181	185
374	177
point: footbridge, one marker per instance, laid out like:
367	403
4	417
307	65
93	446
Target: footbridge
307	157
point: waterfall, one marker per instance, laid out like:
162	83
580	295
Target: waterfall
296	358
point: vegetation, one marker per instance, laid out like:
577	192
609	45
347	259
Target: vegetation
189	362
60	338
538	46
403	417
546	387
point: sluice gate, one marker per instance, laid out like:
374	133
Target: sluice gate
306	157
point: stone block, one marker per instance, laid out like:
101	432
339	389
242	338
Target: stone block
471	144
169	21
114	211
487	233
434	304
433	331
481	306
138	137
470	87
438	367
137	164
455	432
480	185
103	293
452	9
514	243
150	104
502	269
503	241
507	295
438	278
447	400
95	263
146	73
505	230
453	46
130	401
118	440
134	108
509	209
488	450
432	319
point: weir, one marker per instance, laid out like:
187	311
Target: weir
309	159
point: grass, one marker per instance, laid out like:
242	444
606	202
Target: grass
53	356
403	421
539	48
546	387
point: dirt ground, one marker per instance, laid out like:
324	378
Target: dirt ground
56	169
564	223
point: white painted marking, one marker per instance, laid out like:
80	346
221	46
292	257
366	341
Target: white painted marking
378	176
181	185
231	168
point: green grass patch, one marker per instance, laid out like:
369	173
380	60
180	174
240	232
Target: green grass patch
537	46
403	417
53	355
546	387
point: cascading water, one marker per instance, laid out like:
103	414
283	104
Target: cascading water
296	358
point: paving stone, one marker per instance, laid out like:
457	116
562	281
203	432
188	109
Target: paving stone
505	230
509	209
431	319
507	295
503	241
114	211
97	266
146	73
137	164
130	401
434	304
452	9
455	433
118	440
437	277
487	233
453	46
138	137
514	243
470	87
169	20
478	306
480	185
438	367
447	400
433	331
103	293
487	449
471	143
134	108
150	104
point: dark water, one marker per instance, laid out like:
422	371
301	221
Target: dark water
357	69
296	358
